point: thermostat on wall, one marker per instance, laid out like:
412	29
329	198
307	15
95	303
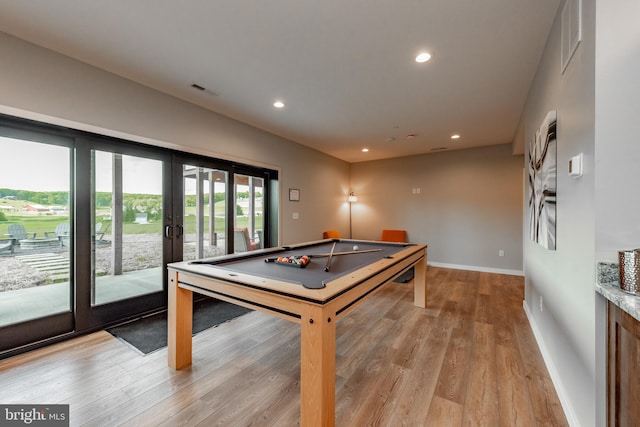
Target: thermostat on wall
575	166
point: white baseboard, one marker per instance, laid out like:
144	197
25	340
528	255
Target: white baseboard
475	268
553	372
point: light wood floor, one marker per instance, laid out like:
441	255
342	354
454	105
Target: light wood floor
468	359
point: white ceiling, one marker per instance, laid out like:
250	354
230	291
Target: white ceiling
344	68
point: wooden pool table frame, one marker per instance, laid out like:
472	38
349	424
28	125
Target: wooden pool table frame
316	310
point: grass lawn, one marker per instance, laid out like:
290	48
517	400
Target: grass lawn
47	223
33	224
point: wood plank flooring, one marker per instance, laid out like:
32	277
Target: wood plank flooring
469	359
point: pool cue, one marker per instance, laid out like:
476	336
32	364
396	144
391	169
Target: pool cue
364	251
328	266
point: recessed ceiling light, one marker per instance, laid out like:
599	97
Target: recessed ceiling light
278	104
455	136
423	57
365	150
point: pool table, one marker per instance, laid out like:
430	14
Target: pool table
314	296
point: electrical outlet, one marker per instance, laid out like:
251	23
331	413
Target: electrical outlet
501	252
541	303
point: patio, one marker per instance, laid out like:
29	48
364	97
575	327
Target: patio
35	282
37	301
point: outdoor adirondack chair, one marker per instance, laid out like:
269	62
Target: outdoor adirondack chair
18	232
101	230
62	233
28	240
6	245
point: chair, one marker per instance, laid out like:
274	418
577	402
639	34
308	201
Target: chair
100	233
260	234
394	236
18	232
62	233
29	240
399	236
331	234
242	242
6	245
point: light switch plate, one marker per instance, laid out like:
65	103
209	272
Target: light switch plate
575	166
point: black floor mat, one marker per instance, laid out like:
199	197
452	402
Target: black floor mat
405	277
149	333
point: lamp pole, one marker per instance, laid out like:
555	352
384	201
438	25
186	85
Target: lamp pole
352	199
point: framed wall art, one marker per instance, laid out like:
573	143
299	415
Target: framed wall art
542	171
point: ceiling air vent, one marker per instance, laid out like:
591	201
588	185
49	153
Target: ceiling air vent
200	88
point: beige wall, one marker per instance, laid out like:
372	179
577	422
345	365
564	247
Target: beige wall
43	85
469	206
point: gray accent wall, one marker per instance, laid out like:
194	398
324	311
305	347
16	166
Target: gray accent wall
469	205
560	298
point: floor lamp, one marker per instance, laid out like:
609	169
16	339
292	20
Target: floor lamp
352	199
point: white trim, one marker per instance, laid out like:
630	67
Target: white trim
476	268
553	372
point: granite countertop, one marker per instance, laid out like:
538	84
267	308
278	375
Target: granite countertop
608	286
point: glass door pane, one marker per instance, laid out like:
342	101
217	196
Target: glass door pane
127	239
204	212
249	215
35	234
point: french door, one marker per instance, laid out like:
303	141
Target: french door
222	207
101	218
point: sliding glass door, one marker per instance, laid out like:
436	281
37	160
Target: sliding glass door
122	249
248	213
35	234
127	226
205	213
225	207
88	224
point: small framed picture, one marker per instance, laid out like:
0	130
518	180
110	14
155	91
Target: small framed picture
294	195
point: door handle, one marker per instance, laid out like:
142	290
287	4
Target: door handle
180	231
168	231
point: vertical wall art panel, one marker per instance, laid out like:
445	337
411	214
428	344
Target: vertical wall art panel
542	183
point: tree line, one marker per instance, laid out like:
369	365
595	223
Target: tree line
151	204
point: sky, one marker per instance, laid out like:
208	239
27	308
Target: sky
33	166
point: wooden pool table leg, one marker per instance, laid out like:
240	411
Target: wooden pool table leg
180	320
420	283
318	367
